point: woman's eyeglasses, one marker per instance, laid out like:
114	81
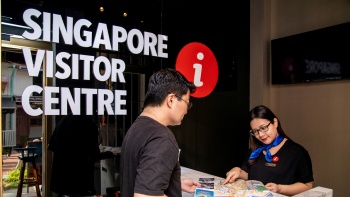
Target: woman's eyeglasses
264	129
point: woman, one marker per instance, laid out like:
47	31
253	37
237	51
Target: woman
282	165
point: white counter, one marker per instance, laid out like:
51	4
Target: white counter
195	175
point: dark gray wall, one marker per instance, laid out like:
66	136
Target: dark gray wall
213	136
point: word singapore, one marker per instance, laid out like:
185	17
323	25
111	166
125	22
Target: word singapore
52	28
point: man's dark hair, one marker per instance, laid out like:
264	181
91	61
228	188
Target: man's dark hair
164	82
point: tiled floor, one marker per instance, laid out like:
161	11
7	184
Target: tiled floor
10	163
13	192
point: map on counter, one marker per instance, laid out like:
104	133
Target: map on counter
241	188
211	187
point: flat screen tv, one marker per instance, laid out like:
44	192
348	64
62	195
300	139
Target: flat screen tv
319	55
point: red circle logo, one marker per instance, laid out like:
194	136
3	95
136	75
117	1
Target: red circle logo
198	64
275	159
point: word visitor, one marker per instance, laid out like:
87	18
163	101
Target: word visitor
53	28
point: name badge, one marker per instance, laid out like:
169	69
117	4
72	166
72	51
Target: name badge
270	164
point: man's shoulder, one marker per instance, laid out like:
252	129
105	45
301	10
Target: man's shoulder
149	127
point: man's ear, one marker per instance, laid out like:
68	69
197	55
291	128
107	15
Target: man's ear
169	100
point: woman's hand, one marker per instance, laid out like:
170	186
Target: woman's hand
232	175
272	187
289	190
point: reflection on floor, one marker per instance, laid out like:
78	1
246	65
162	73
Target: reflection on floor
13	192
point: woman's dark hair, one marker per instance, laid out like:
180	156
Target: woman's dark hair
263	112
164	82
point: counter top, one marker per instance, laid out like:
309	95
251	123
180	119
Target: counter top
195	175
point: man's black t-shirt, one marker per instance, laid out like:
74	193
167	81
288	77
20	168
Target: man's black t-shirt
149	160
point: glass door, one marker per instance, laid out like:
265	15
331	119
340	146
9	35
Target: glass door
20	130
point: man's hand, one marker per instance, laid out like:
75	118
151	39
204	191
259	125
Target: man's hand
189	185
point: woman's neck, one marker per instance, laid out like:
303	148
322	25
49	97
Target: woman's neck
275	149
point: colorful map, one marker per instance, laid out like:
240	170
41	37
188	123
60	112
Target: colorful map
241	188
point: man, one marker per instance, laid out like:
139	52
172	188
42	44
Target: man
150	153
75	147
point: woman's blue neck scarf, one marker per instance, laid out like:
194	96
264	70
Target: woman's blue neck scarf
265	147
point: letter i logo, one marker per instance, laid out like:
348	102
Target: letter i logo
198	64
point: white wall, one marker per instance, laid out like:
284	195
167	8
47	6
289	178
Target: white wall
20	81
315	115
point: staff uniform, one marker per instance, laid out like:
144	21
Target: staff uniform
291	164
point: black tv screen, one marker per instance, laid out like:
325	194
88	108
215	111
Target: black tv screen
319	55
